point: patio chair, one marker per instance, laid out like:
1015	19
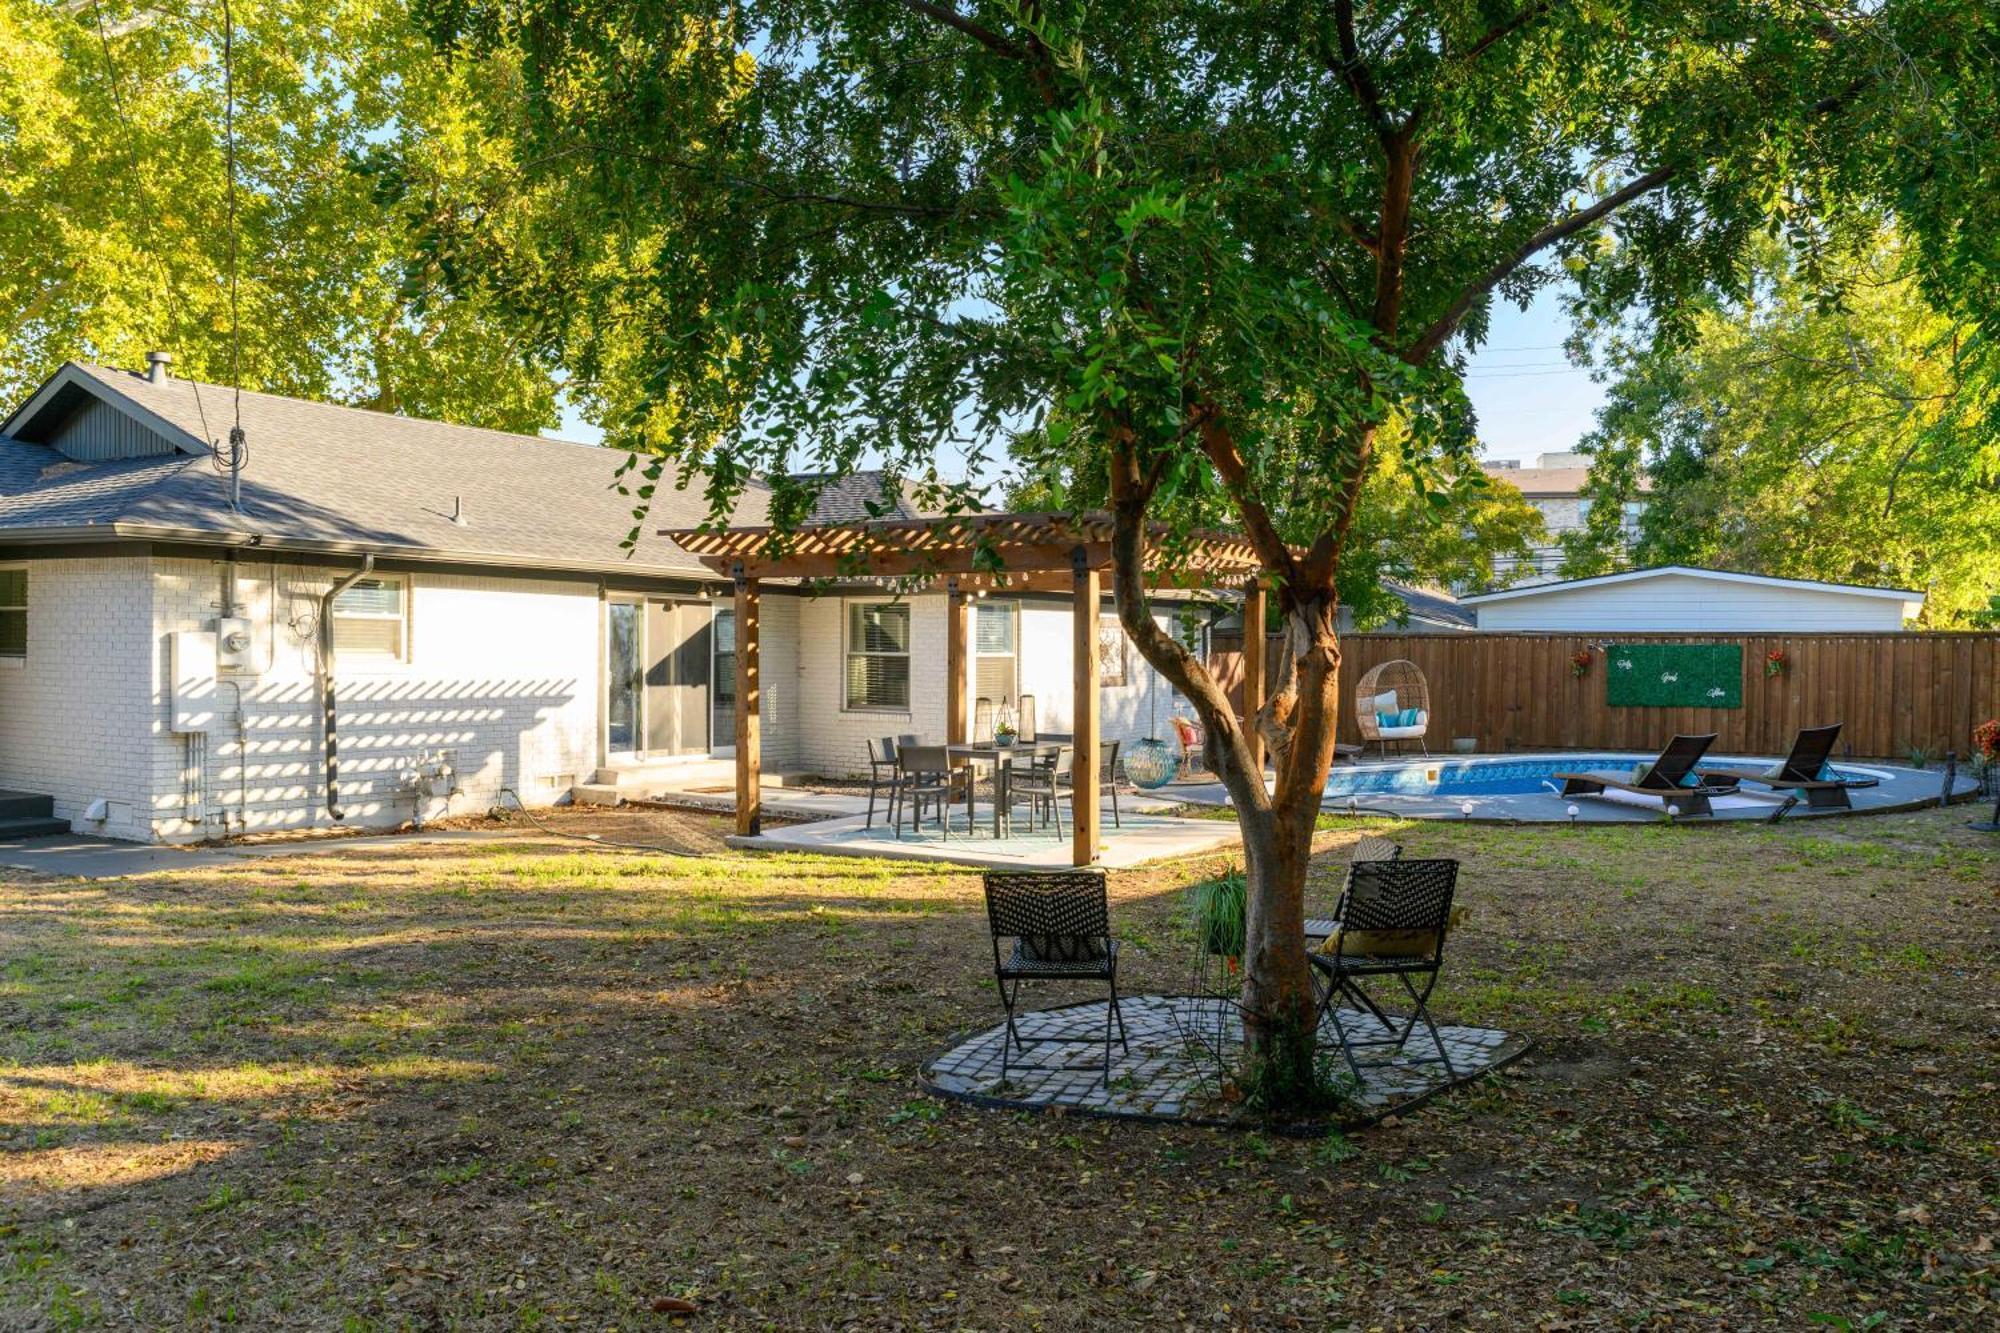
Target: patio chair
1801	771
1043	784
1371	847
1671	777
1189	735
1392	921
1060	925
885	773
930	775
1107	777
1393	703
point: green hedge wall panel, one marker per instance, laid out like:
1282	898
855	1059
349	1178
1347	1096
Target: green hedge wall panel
1674	675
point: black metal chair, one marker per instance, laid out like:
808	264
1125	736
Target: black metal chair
1393	919
1107	777
1044	784
1370	847
885	773
930	775
1060	924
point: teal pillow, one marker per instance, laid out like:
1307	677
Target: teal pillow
1409	717
1388	719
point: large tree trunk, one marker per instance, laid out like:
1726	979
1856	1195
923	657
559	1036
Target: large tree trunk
1278	822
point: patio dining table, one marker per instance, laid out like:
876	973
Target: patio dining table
1000	758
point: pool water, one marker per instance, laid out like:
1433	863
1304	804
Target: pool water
1490	777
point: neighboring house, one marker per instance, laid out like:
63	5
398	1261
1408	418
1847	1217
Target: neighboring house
1678	598
1554	486
502	640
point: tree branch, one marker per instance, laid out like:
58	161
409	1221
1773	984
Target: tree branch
1354	71
1498	33
978	32
1442	328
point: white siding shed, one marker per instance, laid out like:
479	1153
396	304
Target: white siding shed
1680	598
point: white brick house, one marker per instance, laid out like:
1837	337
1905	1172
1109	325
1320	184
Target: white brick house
500	630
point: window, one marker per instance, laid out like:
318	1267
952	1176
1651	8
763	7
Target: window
370	620
724	677
995	669
13	613
878	655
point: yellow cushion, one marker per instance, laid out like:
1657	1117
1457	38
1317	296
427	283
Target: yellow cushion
1387	943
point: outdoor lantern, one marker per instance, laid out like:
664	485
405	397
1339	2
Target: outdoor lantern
1466	809
1353	806
1152	763
1573	813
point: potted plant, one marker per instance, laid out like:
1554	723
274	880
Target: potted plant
1579	663
1004	733
1775	663
1986	750
1217	908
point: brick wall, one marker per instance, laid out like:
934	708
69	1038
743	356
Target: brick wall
501	672
72	711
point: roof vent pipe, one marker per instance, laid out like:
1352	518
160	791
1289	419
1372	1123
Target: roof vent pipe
156	366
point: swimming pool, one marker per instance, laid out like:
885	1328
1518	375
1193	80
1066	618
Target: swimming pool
1503	775
1523	789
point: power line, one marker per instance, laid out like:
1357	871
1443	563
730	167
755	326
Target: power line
128	140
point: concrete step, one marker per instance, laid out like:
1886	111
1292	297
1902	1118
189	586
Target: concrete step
12	830
25	805
596	793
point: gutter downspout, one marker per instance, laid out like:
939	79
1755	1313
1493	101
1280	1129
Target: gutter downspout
326	687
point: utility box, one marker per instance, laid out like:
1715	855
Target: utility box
191	669
233	643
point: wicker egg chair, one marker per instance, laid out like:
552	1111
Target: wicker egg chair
1406	683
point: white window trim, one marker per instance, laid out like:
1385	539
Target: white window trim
909	655
361	657
20	659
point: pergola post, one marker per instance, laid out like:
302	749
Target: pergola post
1253	671
749	725
1086	591
957	641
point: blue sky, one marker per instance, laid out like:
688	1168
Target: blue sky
1530	399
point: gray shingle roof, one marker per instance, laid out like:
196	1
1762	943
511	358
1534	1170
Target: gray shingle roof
846	499
322	475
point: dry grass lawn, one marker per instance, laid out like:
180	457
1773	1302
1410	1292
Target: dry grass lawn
541	1085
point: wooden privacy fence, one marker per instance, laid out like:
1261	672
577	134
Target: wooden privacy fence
1892	692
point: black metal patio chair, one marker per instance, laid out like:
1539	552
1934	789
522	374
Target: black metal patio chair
929	775
1043	785
885	774
1059	923
1370	847
1393	919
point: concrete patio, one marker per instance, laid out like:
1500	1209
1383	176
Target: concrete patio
1144	834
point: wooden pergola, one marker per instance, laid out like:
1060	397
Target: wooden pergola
1066	553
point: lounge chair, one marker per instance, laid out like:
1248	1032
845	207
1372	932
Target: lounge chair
1801	771
1671	777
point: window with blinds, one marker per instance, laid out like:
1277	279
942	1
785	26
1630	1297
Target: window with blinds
996	659
13	613
878	655
371	619
723	679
